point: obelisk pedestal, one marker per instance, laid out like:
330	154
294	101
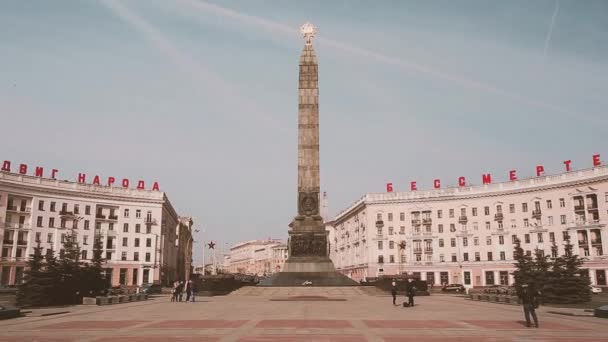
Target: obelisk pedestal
308	262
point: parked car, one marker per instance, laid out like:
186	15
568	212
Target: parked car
595	289
150	288
453	288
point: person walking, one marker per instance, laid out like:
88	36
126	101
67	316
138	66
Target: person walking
529	300
410	291
394	291
174	292
188	290
180	291
192	290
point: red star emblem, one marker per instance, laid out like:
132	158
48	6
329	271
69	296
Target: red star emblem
211	245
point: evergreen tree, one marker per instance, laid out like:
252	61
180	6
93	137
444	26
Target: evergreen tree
541	270
569	283
37	286
524	267
94	282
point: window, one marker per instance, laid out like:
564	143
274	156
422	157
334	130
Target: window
488	240
137	227
562	219
554	252
499	208
540	237
486	211
467	278
526	223
465	241
84	239
489	277
565	236
453	242
524	207
64	207
126	213
463	211
552	237
454	259
529	253
440	212
148	229
476	241
440	242
452	227
440	228
513	239
138	213
62	238
501	240
477	256
379	231
123	256
380	245
52	208
562	203
489	256
149	242
391	259
84	254
49	238
488	225
135	256
39	221
390	231
549	204
402	230
500	225
475	226
441	258
451	212
147	257
474	211
62	223
86	224
125	242
550	220
380	259
137	242
401	216
390	216
51	222
527	238
379	217
41	205
125	228
391	245
76	209
503	256
512	208
465	257
111	226
87	210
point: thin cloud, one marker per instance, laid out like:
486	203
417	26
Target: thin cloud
276	28
551	25
203	76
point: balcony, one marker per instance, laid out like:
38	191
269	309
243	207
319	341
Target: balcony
111	232
583	242
536	214
20	210
112	246
417	250
8	242
113	217
428	250
16	225
415	222
580	207
11	208
596	242
151	222
427	221
498	217
100	216
379	223
463	219
22	242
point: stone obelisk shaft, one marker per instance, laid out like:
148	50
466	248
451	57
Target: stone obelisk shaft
308	134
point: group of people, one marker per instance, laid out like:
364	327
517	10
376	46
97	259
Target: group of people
410	292
528	297
179	287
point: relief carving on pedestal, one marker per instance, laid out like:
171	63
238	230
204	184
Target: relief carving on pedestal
308	203
308	245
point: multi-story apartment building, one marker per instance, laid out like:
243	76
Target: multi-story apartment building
256	257
466	234
142	234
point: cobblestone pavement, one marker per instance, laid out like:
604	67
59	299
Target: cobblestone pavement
302	314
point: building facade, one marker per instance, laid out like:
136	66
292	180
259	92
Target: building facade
256	257
466	235
141	243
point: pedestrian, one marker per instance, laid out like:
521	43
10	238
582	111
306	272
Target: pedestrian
410	291
174	292
529	300
394	291
192	290
188	290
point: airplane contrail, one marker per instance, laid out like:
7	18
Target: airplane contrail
276	28
551	25
201	74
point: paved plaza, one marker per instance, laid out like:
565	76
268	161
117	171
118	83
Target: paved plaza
300	314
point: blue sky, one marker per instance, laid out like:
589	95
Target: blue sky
202	96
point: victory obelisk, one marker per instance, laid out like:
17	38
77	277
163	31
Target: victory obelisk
308	262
